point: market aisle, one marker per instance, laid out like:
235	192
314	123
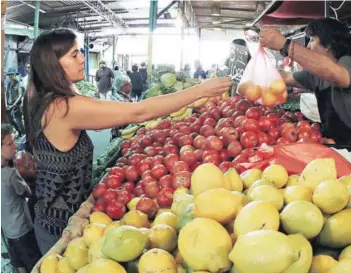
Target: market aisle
100	140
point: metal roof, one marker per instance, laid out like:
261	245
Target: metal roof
91	16
94	16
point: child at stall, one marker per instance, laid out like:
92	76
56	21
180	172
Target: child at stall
16	222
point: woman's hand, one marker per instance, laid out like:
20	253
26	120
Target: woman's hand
216	87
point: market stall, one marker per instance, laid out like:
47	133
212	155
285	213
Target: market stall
261	168
245	183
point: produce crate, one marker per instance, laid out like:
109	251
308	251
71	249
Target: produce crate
74	229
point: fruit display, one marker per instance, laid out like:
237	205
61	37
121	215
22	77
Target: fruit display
222	222
227	132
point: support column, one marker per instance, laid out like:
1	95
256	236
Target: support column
36	18
3	20
113	52
182	48
86	55
152	27
199	43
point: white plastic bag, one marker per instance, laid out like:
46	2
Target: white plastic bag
309	107
261	82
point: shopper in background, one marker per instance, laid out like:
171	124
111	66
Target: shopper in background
124	90
16	222
143	72
59	118
24	78
104	78
137	82
327	64
14	95
187	71
118	76
123	95
199	71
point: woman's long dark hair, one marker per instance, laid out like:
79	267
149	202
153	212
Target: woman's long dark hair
49	80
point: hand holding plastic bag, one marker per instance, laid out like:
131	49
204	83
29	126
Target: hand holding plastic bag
261	81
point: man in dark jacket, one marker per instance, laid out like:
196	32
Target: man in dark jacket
137	82
104	78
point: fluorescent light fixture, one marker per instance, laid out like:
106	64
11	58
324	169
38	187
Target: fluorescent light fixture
216	22
215	11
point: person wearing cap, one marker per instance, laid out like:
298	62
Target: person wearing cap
104	78
14	95
123	95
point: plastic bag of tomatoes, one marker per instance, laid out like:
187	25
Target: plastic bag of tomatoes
261	82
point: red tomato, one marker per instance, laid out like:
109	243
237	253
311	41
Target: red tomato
99	207
249	139
99	190
253	113
171	149
290	134
124	196
264	124
115	210
118	171
262	138
303	125
151	189
234	148
158	171
250	125
128	186
132	174
274	133
166	181
188	157
159	159
165	197
147	206
170	159
181	179
113	181
179	166
138	191
275	121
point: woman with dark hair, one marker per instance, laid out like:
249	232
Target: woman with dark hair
137	82
327	72
58	118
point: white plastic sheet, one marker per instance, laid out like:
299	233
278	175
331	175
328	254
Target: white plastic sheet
309	107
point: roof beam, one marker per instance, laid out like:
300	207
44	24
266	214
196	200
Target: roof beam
30	5
165	9
105	12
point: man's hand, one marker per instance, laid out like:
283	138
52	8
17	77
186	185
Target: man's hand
272	38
